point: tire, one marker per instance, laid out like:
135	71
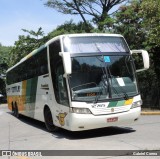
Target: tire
16	111
49	121
13	109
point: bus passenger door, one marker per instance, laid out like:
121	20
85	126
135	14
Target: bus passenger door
61	96
60	100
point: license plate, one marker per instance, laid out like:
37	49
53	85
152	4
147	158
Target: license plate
112	119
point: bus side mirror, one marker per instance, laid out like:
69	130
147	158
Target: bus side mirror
66	62
145	58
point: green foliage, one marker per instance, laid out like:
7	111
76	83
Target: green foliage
150	12
106	24
26	44
139	23
4	53
70	28
129	23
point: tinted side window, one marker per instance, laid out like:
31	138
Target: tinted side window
37	65
61	86
34	66
42	63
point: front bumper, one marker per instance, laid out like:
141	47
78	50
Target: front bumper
80	122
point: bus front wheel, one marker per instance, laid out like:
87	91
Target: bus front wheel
49	120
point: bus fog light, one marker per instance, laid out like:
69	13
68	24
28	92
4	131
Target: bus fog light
80	110
137	104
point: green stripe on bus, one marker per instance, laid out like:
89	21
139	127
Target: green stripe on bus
31	95
120	103
112	104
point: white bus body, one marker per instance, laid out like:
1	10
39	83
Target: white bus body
77	82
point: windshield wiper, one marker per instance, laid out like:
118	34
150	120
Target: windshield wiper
98	95
126	97
105	74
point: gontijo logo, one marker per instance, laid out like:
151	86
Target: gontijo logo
61	117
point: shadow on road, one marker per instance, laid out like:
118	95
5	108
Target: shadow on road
32	122
61	133
109	131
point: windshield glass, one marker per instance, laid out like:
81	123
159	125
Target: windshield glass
94	44
102	77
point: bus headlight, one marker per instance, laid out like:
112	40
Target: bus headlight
80	110
136	104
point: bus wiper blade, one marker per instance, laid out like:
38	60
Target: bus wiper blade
126	97
98	95
104	79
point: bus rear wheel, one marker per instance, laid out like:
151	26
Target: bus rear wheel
15	110
49	121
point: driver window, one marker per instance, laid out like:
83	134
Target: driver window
61	86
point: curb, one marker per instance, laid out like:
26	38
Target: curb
150	113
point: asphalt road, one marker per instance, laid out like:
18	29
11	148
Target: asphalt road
29	134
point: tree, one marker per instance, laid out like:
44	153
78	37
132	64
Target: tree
129	23
26	44
134	21
150	12
97	10
70	27
4	55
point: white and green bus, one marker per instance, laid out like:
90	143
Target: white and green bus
77	82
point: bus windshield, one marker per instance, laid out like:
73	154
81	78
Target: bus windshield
102	77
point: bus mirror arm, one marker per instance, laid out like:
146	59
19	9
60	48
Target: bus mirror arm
145	58
66	62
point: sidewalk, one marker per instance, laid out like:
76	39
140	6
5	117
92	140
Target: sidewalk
3	105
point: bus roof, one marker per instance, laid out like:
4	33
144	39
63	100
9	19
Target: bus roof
60	37
82	35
